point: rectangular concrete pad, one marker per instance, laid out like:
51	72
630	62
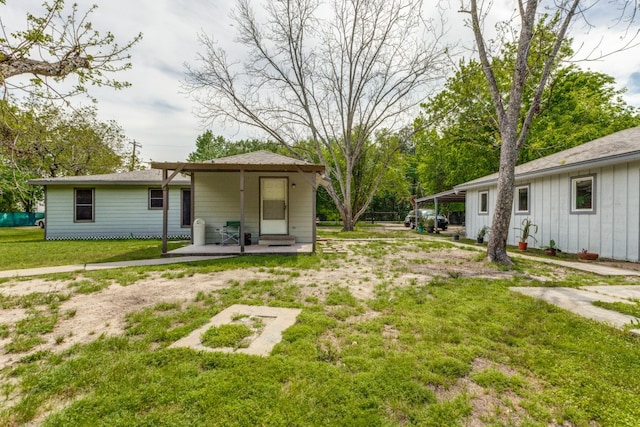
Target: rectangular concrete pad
262	345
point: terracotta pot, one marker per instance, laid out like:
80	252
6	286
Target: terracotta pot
588	256
522	246
550	252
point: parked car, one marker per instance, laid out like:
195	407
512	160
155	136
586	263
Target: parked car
410	219
40	222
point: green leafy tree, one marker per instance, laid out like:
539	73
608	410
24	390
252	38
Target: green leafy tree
42	139
209	146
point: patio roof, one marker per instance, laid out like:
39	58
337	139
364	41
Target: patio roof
257	161
445	196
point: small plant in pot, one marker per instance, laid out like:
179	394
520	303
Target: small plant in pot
431	225
551	249
587	256
422	224
527	231
482	234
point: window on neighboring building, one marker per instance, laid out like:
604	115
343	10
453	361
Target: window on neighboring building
84	201
583	194
522	199
484	202
155	198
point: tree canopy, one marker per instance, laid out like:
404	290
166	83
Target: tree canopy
210	146
41	139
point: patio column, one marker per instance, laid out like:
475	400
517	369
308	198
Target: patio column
241	236
313	216
165	207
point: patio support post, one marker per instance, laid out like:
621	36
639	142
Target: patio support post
241	236
165	207
313	216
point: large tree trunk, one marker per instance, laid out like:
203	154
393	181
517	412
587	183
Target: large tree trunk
497	246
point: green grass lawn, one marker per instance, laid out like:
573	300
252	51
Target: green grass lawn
410	355
25	247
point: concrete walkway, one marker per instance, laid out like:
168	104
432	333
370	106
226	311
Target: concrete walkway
580	301
591	267
102	266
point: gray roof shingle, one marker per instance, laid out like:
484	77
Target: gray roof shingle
619	147
140	177
258	158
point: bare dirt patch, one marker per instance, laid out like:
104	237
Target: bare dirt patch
351	264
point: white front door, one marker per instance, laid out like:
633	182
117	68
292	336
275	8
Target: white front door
273	205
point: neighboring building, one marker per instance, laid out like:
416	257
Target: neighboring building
271	198
586	197
115	206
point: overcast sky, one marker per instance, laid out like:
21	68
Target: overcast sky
155	113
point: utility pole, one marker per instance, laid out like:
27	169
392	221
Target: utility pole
135	145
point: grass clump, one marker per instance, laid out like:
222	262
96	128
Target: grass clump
630	309
231	335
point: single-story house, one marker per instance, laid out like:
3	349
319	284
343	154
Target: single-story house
114	206
253	198
586	197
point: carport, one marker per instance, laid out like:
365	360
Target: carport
449	196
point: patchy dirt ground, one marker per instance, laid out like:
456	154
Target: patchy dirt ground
356	265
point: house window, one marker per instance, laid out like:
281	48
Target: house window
484	202
155	198
84	202
522	199
186	208
583	194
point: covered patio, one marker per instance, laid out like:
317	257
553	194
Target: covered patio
267	201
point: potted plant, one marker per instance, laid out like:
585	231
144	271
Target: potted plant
527	231
551	249
587	256
431	225
422	223
481	234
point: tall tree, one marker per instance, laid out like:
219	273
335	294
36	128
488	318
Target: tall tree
515	117
330	73
56	43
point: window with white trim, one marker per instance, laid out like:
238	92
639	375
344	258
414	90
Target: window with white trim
483	206
83	205
522	199
155	198
583	194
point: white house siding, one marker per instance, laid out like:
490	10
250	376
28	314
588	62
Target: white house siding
119	212
474	221
217	200
613	230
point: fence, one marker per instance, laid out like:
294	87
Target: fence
19	219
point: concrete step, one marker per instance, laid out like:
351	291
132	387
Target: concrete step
276	240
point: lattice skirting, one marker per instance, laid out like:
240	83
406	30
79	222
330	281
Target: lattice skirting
123	237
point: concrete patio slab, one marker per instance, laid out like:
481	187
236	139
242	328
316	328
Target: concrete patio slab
279	320
217	250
